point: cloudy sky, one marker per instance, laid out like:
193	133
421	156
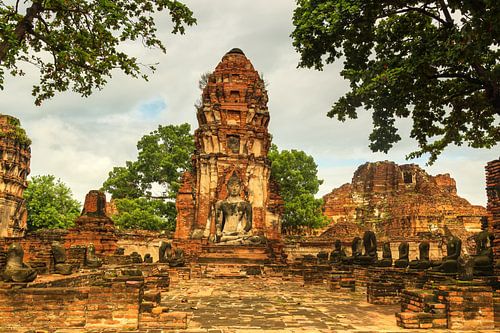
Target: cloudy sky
79	140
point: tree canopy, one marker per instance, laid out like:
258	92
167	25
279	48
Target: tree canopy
163	155
296	174
76	44
436	62
50	204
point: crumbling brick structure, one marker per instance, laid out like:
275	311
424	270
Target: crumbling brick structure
94	226
232	138
401	201
15	157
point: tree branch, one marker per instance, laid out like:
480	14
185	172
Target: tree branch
22	27
444	8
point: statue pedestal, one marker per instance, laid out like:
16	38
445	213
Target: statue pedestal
235	254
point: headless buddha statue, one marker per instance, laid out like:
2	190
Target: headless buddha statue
370	245
338	253
15	269
422	262
386	260
356	252
404	252
59	257
449	263
234	217
483	259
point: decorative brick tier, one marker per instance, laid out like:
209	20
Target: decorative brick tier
341	281
236	254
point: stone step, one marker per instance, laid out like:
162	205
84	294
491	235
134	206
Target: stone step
233	249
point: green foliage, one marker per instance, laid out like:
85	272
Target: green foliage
50	204
163	155
84	39
142	213
433	61
296	174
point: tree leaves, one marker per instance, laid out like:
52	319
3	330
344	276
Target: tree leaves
163	155
410	59
296	174
83	39
50	204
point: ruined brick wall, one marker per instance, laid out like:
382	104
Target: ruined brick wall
232	138
402	201
15	157
493	193
97	305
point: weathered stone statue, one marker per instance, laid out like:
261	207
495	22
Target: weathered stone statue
404	252
370	245
148	259
423	261
234	216
322	257
91	260
356	251
338	253
161	252
15	269
483	259
449	263
59	257
174	258
136	257
386	260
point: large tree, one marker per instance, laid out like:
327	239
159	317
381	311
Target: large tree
50	203
151	182
76	44
296	174
434	61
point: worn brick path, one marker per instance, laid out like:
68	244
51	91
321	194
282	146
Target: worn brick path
273	305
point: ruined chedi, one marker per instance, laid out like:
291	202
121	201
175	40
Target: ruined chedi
229	193
15	156
401	201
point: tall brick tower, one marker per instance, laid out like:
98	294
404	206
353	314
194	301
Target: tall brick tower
232	139
15	157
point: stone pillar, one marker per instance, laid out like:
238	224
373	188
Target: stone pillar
15	157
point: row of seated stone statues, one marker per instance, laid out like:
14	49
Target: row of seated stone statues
16	270
452	262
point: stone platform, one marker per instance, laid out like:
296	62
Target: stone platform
234	254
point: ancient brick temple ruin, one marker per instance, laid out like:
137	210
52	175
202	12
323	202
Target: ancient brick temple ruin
14	168
402	201
232	141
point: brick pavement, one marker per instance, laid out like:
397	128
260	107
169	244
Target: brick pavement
274	305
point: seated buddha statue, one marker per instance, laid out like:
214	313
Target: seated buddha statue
483	259
355	250
386	260
234	216
422	262
404	252
59	257
15	269
370	245
338	253
449	263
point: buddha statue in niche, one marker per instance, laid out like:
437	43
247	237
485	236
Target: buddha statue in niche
234	216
